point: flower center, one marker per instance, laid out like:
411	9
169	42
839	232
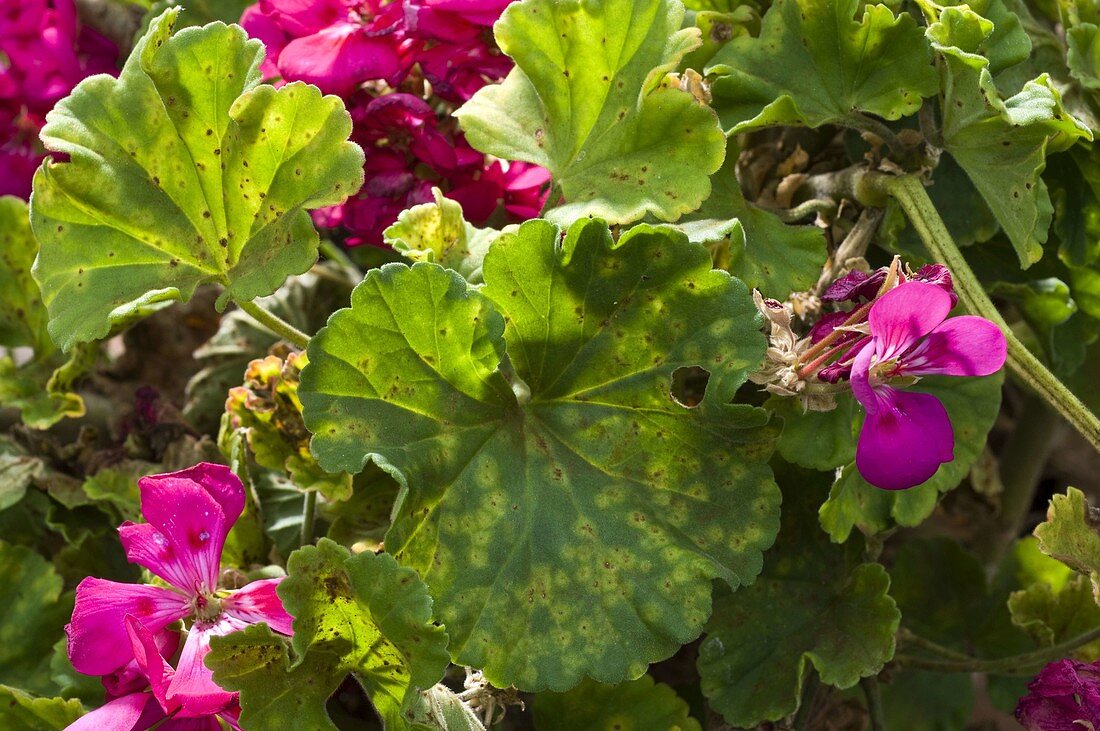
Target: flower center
207	608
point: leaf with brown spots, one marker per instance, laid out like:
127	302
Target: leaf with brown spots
566	512
361	614
182	171
584	101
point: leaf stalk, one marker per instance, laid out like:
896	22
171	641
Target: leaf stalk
275	324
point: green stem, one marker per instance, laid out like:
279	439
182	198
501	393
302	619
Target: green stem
874	703
309	508
275	324
908	638
1015	665
334	253
910	194
803	209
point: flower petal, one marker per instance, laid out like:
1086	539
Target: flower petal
133	676
961	346
97	632
190	513
134	712
192	689
339	57
903	444
149	659
258	602
905	314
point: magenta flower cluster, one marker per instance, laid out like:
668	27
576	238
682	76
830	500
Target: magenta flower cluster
126	632
47	53
1065	696
401	66
888	341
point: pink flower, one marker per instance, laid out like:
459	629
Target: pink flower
189	515
907	435
1064	696
521	190
144	702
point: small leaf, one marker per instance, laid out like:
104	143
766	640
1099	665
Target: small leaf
361	614
184	170
35	613
815	63
635	705
1084	55
439	709
1001	143
584	102
437	232
21	711
972	405
814	604
559	534
1071	534
1052	615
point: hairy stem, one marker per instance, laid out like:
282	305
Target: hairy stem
879	129
1015	665
910	194
874	703
275	324
803	209
309	509
908	638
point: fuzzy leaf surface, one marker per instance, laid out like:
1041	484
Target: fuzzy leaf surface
183	170
815	605
584	101
544	507
815	62
361	614
635	705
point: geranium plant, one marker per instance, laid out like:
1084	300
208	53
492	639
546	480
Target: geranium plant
554	364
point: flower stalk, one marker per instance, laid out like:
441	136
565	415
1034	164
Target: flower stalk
1024	664
909	192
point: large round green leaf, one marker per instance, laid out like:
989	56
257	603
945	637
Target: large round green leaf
181	171
814	604
566	512
815	63
584	101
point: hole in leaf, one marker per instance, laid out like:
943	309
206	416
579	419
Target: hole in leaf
689	385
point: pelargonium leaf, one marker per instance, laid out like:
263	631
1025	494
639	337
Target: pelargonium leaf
584	102
815	63
1053	615
359	614
35	612
631	706
972	405
1071	534
438	232
440	709
1002	144
183	170
566	512
814	604
21	711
